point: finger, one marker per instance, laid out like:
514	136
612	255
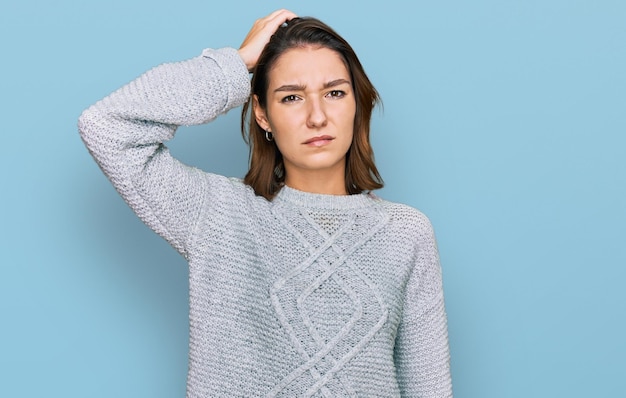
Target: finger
264	28
281	13
279	17
260	34
270	19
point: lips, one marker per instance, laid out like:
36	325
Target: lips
319	140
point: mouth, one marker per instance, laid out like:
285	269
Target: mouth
319	140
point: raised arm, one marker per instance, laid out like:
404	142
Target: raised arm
422	354
126	131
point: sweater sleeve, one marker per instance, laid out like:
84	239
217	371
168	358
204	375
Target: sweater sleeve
422	354
125	133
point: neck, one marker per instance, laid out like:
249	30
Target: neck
331	182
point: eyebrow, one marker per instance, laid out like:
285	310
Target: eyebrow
297	87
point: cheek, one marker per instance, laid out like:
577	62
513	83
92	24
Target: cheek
349	139
283	118
348	118
287	144
349	113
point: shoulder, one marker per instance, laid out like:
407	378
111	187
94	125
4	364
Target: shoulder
412	230
406	218
230	193
409	233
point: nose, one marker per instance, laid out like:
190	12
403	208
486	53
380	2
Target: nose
316	117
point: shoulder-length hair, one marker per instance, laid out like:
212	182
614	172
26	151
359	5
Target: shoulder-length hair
267	171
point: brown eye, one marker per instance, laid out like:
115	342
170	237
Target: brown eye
336	94
289	98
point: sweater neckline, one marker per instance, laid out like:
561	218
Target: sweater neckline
323	201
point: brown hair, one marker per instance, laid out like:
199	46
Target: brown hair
267	172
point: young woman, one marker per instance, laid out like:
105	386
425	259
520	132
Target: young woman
302	282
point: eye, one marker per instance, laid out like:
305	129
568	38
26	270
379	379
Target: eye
336	94
289	98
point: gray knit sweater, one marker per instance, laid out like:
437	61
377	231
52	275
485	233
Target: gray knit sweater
307	295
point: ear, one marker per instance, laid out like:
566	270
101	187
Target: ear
259	114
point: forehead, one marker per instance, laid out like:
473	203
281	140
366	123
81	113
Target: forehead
308	65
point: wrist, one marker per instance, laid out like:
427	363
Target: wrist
245	59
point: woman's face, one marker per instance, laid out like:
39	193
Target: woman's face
310	111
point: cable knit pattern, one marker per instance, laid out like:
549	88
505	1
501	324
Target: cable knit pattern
306	295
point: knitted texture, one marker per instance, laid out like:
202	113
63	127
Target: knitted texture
307	295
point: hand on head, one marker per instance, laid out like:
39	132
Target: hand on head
260	34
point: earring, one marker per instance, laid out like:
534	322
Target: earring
269	136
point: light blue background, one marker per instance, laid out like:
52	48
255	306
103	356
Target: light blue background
504	121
